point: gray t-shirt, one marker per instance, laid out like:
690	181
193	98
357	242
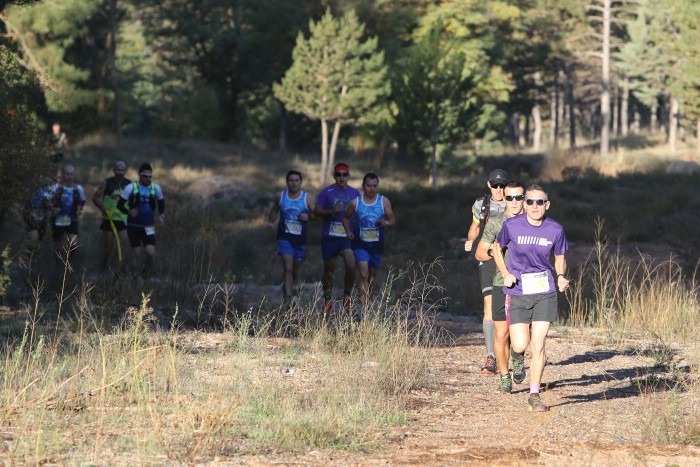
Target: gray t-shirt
494	207
491	231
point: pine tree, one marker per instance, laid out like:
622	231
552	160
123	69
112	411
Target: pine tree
335	77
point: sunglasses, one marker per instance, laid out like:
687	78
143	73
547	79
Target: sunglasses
342	174
146	176
498	185
515	197
539	202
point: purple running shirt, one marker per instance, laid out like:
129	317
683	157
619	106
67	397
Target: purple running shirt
530	248
330	197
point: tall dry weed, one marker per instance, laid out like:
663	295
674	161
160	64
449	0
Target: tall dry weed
626	296
82	392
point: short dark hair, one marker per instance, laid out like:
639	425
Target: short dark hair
514	184
294	172
369	176
145	166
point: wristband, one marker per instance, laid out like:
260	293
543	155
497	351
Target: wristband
561	275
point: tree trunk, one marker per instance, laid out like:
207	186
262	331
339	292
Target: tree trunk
653	123
358	142
282	143
324	152
334	145
624	108
114	70
554	111
553	118
570	105
673	123
605	94
522	133
537	131
636	122
561	106
433	143
380	150
615	112
512	129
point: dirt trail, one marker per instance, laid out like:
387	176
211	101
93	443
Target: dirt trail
596	416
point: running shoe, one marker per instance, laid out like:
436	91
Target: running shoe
505	385
519	372
534	404
490	367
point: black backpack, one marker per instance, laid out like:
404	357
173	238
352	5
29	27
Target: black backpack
483	216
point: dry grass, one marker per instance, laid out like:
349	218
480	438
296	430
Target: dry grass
657	306
628	296
75	390
136	393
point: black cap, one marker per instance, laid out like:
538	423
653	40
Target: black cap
498	176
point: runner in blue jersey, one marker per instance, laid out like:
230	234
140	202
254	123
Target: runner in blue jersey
294	208
68	199
330	206
531	282
139	200
35	213
372	214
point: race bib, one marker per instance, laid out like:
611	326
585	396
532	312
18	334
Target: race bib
150	230
535	282
336	230
369	235
62	221
292	227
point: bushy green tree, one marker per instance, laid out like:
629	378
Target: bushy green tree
446	87
22	149
685	75
437	104
336	76
44	34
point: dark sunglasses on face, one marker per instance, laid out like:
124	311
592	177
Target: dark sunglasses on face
497	186
539	202
146	176
515	197
342	174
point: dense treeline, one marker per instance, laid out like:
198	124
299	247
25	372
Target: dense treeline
447	74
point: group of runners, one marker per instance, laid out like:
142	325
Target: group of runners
514	242
130	212
518	281
352	230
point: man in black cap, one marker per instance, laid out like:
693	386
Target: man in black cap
483	208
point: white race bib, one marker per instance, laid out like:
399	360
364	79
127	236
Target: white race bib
369	235
292	227
150	230
336	230
62	221
535	282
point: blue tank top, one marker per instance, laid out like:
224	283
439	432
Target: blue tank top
143	198
368	234
290	227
